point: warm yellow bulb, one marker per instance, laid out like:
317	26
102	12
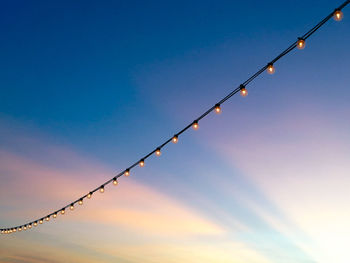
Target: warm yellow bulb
338	15
89	195
175	139
217	109
54	215
30	226
127	172
80	202
158	152
142	163
40	221
243	91
270	69
71	207
102	189
24	228
14	230
301	43
115	181
47	218
195	125
63	211
10	231
35	223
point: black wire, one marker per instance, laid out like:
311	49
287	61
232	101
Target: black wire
228	96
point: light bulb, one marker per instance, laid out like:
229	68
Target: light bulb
89	195
270	68
301	43
175	139
47	218
63	211
102	189
158	152
243	90
35	223
127	172
20	229
142	163
10	231
71	207
195	125
115	181
14	230
24	228
338	15
41	221
80	202
30	226
217	109
54	215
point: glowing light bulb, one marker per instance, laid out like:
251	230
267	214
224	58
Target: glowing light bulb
127	172
41	221
270	68
217	109
47	218
24	228
14	230
63	211
115	181
71	207
89	195
102	189
158	152
10	231
54	215
20	229
195	125
301	43
142	163
243	91
35	223
338	15
30	226
175	139
80	202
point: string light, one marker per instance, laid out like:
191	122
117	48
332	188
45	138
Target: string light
127	172
301	43
102	189
80	202
115	181
337	14
243	90
71	207
217	108
175	139
47	218
270	68
24	228
30	226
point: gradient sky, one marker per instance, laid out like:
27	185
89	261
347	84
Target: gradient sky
88	87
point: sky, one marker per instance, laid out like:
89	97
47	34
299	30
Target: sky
89	87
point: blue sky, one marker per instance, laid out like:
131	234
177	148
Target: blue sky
87	88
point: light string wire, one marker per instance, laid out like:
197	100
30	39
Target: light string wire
300	43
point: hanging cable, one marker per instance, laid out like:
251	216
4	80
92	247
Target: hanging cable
337	14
